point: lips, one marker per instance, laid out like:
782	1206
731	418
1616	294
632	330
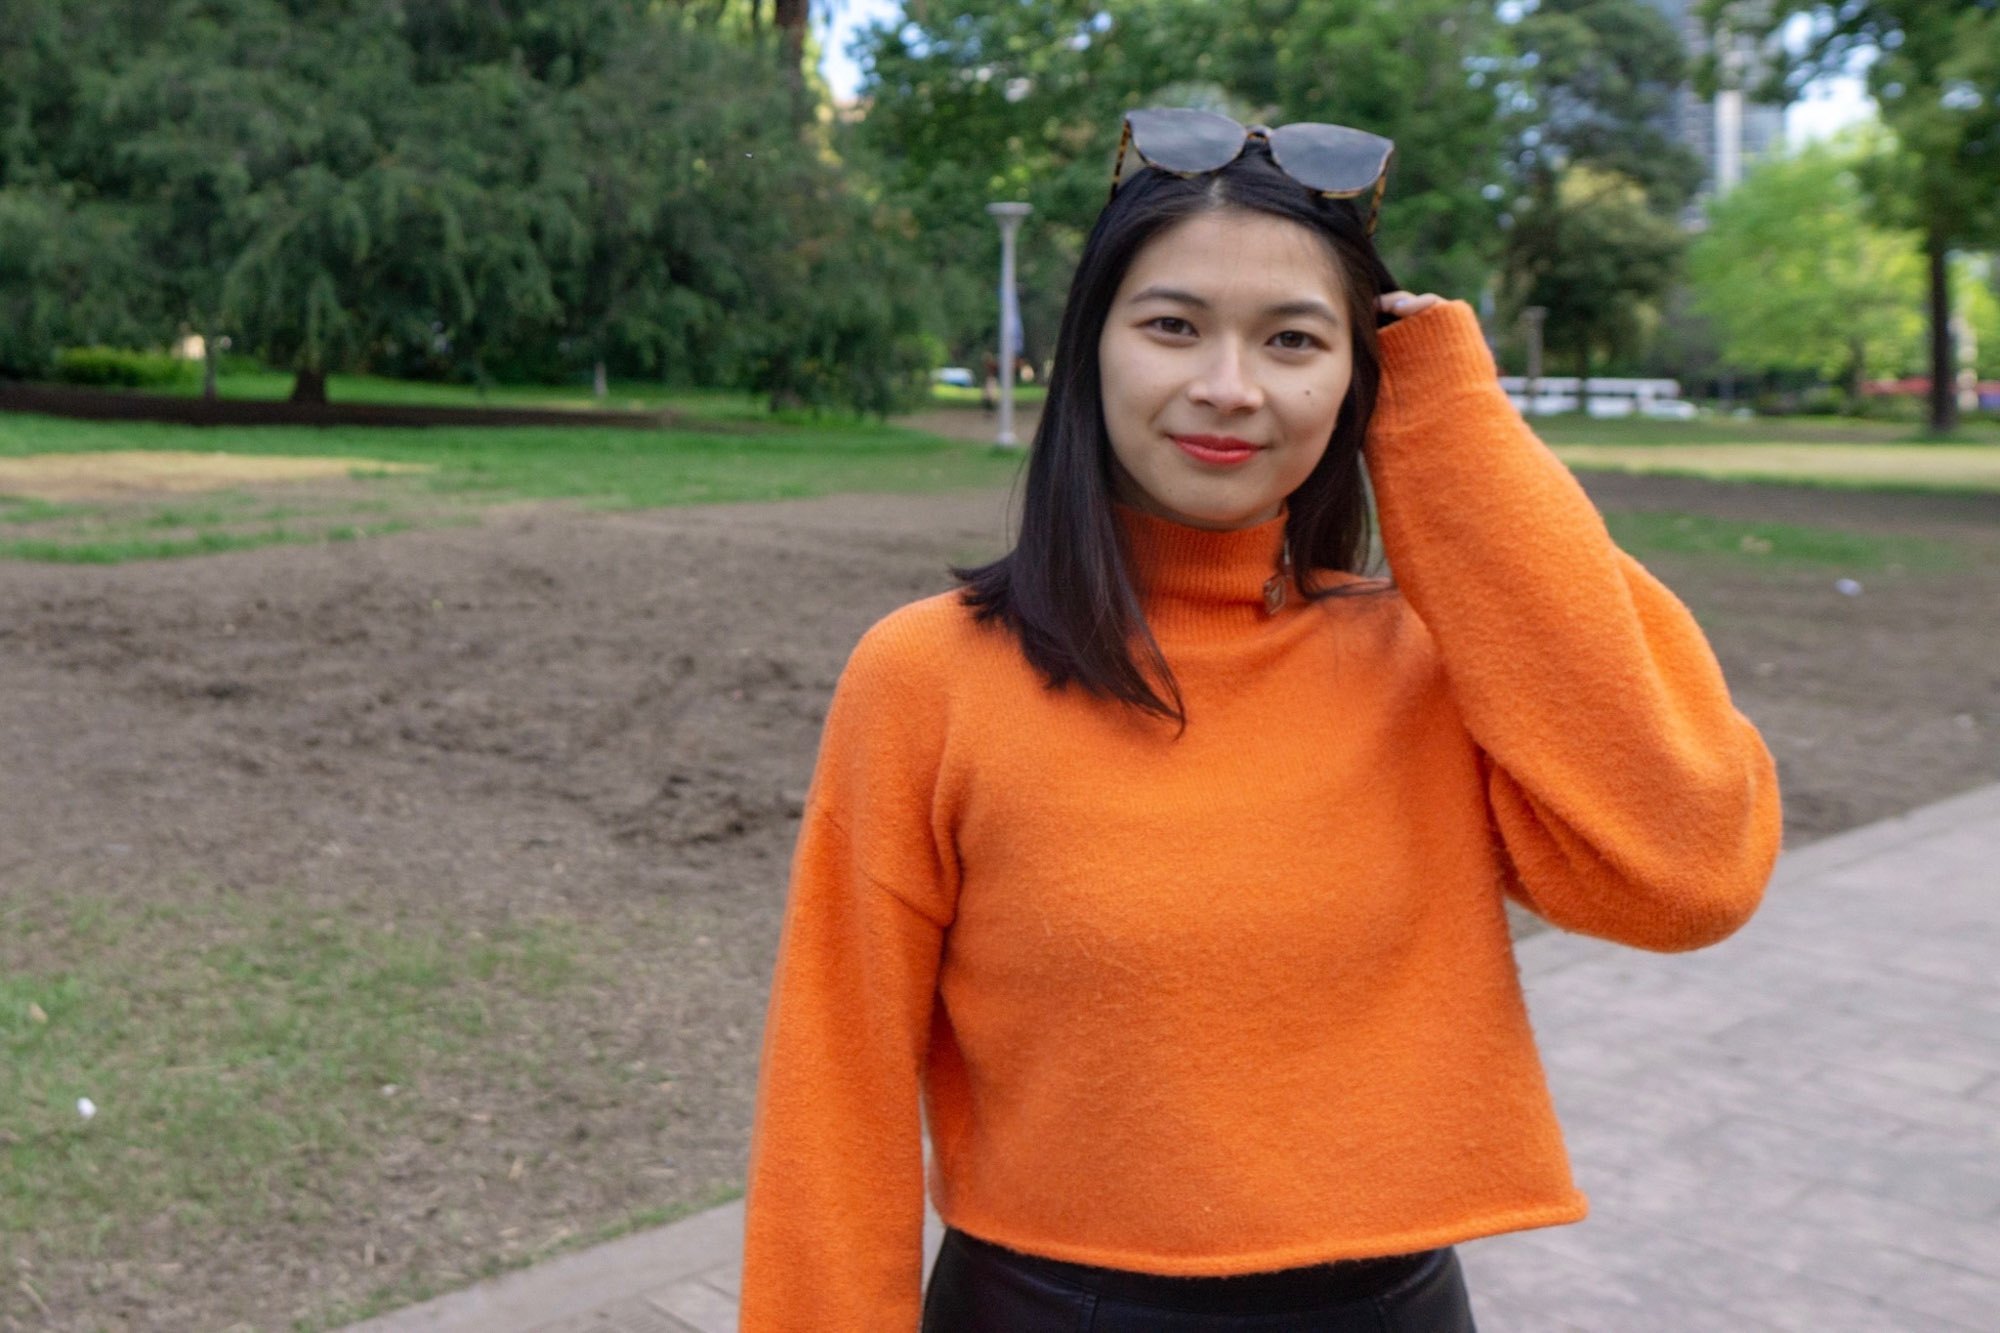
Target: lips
1216	448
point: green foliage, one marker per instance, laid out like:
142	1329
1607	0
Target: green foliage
118	367
1794	275
975	100
1975	296
1936	70
69	273
453	191
1597	257
1935	79
1597	81
1591	234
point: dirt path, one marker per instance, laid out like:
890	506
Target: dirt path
610	720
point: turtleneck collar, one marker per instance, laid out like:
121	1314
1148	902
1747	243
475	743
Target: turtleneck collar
1191	578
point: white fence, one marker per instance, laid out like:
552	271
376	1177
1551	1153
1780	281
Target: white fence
1607	396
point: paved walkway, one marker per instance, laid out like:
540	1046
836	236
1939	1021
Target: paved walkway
1798	1128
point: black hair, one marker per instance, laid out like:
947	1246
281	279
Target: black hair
1065	590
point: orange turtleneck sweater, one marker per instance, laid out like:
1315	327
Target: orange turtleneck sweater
1245	999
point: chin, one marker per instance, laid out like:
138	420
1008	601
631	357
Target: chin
1217	512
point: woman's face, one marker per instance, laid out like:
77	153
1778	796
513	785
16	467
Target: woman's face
1224	361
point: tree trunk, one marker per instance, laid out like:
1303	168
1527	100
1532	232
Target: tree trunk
789	17
309	387
1944	395
600	387
208	366
1856	373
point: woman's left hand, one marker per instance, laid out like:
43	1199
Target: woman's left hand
1403	304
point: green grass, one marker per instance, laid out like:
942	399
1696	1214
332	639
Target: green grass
605	466
1575	428
955	395
115	550
471	467
1778	545
14	509
1859	465
237	1053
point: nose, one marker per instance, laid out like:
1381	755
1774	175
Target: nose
1225	382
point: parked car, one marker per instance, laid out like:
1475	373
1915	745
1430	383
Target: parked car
958	375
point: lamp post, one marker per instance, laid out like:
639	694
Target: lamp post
1009	216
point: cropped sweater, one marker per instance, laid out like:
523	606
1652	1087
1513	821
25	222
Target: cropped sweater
1245	998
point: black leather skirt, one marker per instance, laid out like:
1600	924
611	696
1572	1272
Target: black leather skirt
979	1287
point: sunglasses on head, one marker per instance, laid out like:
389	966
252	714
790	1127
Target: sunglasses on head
1331	160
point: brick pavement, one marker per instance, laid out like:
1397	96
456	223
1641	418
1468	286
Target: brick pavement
1798	1128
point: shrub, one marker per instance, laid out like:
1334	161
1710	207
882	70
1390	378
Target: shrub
1898	407
119	367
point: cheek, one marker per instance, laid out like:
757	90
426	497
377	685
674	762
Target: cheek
1317	407
1130	383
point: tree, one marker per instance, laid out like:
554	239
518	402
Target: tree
1596	256
973	100
1595	176
1594	81
70	274
1937	81
470	191
1794	274
72	269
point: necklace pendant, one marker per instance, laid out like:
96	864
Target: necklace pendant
1274	587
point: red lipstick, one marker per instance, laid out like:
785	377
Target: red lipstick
1223	450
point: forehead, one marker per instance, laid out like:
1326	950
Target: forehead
1232	255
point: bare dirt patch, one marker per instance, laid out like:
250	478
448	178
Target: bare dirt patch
603	725
126	473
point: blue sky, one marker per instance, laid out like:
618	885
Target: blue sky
1829	105
846	17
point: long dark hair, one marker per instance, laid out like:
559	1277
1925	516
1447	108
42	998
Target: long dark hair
1064	590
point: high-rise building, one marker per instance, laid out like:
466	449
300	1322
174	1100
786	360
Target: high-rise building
1728	131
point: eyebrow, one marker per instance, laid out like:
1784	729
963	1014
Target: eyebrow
1283	308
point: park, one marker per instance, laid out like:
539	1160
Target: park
397	817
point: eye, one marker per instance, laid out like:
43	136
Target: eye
1183	326
1306	340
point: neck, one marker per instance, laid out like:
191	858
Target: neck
1198	581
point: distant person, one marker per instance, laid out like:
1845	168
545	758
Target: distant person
1159	872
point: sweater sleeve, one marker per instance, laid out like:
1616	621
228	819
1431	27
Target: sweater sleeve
834	1205
1633	800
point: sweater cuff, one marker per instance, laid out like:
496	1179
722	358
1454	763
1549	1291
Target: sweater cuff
1431	356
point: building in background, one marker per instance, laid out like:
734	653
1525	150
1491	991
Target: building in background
1729	131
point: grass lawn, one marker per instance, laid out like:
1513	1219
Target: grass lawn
1575	428
1778	546
756	455
1948	467
213	1064
467	468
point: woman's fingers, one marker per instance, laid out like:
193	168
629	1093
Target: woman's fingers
1407	303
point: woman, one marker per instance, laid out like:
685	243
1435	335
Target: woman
1162	866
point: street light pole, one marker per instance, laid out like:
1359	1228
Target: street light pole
1009	216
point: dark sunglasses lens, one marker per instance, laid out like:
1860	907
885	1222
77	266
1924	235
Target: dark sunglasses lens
1185	140
1330	157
